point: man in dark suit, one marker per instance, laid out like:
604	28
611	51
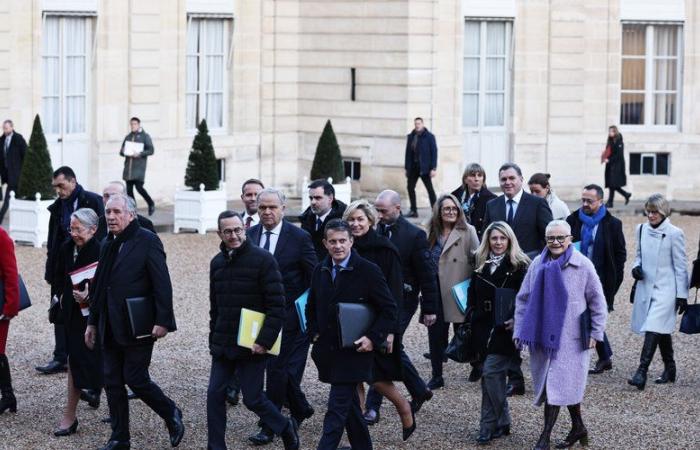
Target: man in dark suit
71	197
249	196
12	150
114	188
420	162
603	242
295	255
344	276
528	216
418	278
324	208
243	276
132	265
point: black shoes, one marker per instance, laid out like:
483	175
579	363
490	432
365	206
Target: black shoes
233	396
67	431
371	417
627	198
485	438
436	383
668	375
52	367
578	432
307	414
601	366
639	380
151	209
412	213
417	403
91	397
263	437
513	389
117	445
501	431
290	436
176	428
475	374
407	432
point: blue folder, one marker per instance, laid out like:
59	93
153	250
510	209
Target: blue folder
459	292
577	245
300	305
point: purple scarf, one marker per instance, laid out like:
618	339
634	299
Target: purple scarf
546	306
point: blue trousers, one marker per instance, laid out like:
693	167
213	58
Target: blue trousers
285	372
344	413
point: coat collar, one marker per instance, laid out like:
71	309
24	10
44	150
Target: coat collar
454	236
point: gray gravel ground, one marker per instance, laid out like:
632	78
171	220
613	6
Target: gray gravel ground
617	416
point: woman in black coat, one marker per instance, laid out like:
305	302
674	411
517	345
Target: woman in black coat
362	217
473	196
500	265
615	172
84	365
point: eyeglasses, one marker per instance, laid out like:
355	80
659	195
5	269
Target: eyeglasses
228	232
76	230
560	239
450	209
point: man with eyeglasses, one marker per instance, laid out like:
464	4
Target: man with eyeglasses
243	275
603	242
294	252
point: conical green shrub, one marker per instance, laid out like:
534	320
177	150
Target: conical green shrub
201	166
327	161
37	173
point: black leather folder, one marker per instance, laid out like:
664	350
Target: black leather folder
142	316
354	320
586	328
503	305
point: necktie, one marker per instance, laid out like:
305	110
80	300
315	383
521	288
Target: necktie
7	144
511	203
319	222
336	270
386	230
248	222
267	241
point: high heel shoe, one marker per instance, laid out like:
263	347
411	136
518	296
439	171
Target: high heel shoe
67	431
571	440
407	432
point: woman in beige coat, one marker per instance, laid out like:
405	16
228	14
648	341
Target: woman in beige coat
453	243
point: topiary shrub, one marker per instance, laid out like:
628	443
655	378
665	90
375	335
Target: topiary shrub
327	161
201	166
37	173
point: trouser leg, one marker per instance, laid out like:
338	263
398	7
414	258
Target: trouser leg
222	370
60	353
411	187
143	192
344	411
428	182
494	403
117	400
251	374
130	189
136	363
515	371
437	338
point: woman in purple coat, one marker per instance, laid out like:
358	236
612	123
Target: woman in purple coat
560	286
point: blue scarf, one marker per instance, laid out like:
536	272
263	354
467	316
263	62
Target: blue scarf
546	305
589	222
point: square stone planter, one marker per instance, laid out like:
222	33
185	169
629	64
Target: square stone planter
343	192
29	220
198	210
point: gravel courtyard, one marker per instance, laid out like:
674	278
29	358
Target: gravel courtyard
617	415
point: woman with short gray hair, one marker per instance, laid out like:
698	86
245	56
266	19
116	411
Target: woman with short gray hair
661	289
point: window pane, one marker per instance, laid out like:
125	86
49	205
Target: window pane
75	75
633	74
471	74
662	163
191	112
632	109
472	37
192	74
215	110
635	163
75	114
665	40
74	39
665	109
50	39
470	110
215	74
634	40
665	74
214	30
50	117
647	164
495	74
193	36
493	111
495	38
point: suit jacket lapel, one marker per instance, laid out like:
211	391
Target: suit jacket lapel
127	247
524	204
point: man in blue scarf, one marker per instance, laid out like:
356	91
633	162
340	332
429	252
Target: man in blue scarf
602	241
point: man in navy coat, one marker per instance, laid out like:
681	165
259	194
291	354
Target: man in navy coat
294	251
420	162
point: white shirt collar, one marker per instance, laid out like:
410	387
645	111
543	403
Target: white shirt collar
323	217
255	217
277	230
516	198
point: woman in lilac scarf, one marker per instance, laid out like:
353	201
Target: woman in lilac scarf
559	286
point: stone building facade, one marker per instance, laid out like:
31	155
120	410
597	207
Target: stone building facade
534	81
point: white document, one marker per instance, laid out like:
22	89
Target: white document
132	148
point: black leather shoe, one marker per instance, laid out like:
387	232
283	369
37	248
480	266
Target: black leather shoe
436	383
67	431
407	432
417	404
233	396
501	431
306	414
263	437
151	209
601	366
117	445
131	395
91	397
371	417
176	428
412	213
512	390
475	374
290	436
52	367
484	439
107	419
627	198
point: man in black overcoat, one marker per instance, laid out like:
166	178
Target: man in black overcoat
324	207
12	150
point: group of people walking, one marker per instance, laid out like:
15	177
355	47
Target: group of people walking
540	278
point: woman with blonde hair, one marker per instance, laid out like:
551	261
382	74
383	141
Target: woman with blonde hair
362	218
500	269
452	244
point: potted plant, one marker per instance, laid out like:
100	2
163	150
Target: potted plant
199	206
328	164
29	214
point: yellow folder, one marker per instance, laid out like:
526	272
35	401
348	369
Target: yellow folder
249	327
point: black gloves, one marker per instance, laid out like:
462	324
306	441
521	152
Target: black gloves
681	305
637	273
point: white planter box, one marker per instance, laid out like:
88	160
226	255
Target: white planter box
343	192
29	220
199	210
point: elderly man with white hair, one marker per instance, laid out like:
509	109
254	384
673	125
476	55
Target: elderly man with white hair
114	188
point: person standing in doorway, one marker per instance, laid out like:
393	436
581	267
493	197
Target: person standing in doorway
12	150
614	160
136	148
421	162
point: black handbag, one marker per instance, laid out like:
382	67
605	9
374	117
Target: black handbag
690	323
461	348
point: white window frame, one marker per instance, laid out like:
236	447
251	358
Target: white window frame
482	91
63	95
650	79
227	37
653	156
